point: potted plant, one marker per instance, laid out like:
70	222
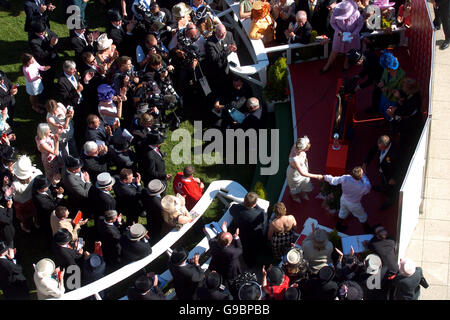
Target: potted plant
277	88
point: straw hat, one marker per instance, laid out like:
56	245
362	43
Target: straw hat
103	42
104	180
294	256
181	10
45	268
23	169
156	187
372	264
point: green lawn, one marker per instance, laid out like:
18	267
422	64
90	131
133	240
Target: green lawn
13	42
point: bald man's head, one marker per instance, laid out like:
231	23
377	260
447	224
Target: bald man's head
224	239
221	31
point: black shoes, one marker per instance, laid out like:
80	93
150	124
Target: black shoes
444	45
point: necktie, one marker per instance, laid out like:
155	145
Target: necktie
3	87
72	78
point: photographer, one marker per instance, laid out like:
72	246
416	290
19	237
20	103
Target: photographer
148	47
143	126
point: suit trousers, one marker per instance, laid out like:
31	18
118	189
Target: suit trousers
444	15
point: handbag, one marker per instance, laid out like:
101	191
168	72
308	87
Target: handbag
203	82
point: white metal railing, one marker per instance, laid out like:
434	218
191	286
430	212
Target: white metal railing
234	189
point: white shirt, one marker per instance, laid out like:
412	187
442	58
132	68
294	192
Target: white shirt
352	189
81	35
72	80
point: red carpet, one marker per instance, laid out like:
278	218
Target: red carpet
314	98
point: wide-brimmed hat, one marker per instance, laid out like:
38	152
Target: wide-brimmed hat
320	236
156	187
8	154
275	275
105	92
72	162
353	291
181	10
250	290
326	274
294	256
41	182
104	180
372	263
45	268
114	15
142	284
388	60
3	247
62	236
178	256
407	267
103	42
383	4
292	293
136	232
23	168
345	10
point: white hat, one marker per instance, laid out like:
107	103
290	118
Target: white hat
294	256
104	180
407	267
372	263
23	169
180	10
103	42
302	143
45	268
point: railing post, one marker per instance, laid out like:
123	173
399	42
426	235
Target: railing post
97	296
288	56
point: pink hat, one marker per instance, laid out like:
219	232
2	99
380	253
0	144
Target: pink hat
407	267
383	4
345	10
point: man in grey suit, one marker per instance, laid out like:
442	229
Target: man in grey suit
76	183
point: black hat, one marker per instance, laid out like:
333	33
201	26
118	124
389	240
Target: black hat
353	291
41	182
326	274
38	26
9	154
72	162
275	275
114	15
120	143
213	280
354	56
178	256
250	291
155	139
142	284
3	247
292	293
62	236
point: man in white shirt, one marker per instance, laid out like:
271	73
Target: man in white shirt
354	187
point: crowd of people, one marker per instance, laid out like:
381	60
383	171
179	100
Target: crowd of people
107	116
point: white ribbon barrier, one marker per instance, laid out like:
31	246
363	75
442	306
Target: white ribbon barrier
234	189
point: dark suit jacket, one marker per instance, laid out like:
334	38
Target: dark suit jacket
251	223
33	13
226	260
319	17
100	201
157	294
79	46
67	92
254	120
122	160
314	289
134	250
65	257
216	55
6	99
128	198
385	248
44	205
408	288
152	205
110	238
75	188
390	165
97	134
41	50
12	281
7	230
125	43
94	165
152	165
186	279
303	34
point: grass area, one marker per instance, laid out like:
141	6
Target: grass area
13	42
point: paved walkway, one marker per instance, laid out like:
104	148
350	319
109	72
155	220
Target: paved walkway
430	245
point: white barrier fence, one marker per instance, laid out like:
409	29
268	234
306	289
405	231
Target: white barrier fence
234	189
411	193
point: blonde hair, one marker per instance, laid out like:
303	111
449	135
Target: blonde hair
303	143
279	209
42	130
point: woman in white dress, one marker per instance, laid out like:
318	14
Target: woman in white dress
298	177
33	80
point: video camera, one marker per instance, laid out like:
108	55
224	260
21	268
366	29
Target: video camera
188	46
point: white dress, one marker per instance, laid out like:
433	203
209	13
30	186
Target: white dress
298	183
